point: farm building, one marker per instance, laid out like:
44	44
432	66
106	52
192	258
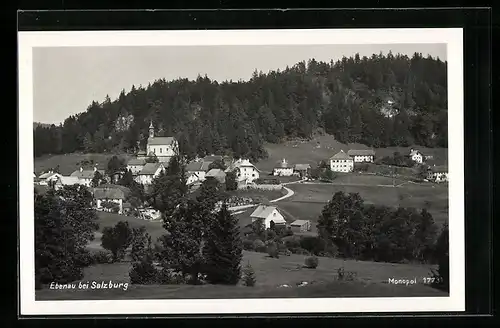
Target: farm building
362	155
199	168
163	148
192	177
86	176
438	173
217	174
245	171
302	170
416	156
283	169
105	194
149	172
341	162
66	181
135	165
48	178
300	225
267	214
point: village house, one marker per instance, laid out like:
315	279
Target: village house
148	173
245	171
267	214
302	170
86	176
300	225
416	156
135	165
197	170
341	162
48	178
66	181
362	155
191	178
283	169
163	148
105	194
438	173
217	174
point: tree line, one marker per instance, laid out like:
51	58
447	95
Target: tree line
382	100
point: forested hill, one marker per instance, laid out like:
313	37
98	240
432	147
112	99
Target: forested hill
390	100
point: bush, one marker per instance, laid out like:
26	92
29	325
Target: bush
84	259
272	250
102	257
144	273
248	245
299	251
293	242
315	245
259	246
311	262
249	279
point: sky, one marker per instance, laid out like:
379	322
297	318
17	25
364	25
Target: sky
67	80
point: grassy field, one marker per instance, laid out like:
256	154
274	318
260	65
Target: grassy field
371	281
68	163
324	147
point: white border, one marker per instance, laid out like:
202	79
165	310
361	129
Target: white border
453	39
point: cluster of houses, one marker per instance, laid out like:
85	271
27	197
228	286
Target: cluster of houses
285	169
344	162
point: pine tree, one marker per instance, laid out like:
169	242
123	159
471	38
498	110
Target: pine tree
249	278
223	249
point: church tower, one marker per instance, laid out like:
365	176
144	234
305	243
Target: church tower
151	130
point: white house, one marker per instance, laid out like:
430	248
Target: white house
268	214
86	176
362	155
161	147
283	169
110	193
416	156
148	173
438	173
341	162
191	178
48	178
135	165
198	168
245	171
66	181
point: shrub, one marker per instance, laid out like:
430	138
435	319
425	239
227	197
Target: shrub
272	251
84	259
249	279
311	262
248	245
315	245
299	251
292	242
143	272
259	246
102	257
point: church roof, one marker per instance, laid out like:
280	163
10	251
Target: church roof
160	140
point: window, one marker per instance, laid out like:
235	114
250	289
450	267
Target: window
160	150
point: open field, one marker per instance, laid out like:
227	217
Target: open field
308	152
68	163
371	281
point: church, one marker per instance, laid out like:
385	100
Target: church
161	147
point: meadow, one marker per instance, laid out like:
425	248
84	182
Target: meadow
371	280
68	163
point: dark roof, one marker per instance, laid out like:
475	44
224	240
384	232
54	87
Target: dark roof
136	161
150	168
109	193
212	158
361	152
161	140
215	173
197	166
302	167
341	155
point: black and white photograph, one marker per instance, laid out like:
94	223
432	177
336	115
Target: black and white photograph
241	171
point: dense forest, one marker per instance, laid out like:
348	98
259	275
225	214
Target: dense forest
380	101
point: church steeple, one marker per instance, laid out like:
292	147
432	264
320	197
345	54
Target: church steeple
151	130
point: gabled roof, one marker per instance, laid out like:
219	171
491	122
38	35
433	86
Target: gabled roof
68	181
361	152
241	163
161	140
341	155
109	193
212	158
415	152
150	168
299	222
137	161
197	166
86	174
46	175
302	167
283	164
215	173
263	211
